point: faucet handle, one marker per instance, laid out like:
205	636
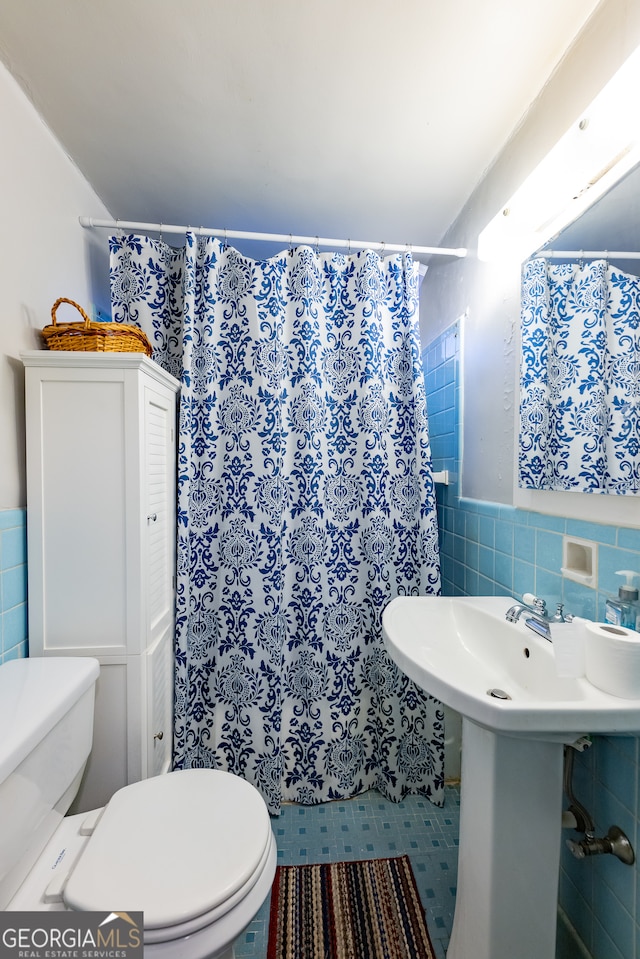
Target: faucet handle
539	605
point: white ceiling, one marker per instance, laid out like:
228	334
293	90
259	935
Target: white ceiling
371	119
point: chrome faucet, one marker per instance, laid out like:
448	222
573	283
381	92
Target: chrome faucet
535	615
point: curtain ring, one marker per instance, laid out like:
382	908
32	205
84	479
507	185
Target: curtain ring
161	238
381	254
317	245
349	247
290	244
226	242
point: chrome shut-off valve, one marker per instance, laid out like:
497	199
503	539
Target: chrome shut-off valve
614	843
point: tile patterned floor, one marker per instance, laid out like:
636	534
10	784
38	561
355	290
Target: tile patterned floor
367	827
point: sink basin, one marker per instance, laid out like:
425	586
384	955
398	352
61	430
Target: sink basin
459	648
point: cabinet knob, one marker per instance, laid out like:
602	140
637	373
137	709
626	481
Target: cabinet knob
152	517
159	735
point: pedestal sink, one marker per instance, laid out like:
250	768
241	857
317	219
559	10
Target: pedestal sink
463	651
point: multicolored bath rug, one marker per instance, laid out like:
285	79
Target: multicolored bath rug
348	910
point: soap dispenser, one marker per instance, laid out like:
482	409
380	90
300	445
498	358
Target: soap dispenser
622	610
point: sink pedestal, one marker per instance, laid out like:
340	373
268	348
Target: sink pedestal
509	857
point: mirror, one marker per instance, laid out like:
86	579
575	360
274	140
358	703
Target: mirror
611	224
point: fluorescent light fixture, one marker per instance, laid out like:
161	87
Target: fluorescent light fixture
598	149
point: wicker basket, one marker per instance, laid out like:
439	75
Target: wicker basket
93	337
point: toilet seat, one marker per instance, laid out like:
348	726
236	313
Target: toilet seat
184	848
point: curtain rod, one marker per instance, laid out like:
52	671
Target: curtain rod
89	221
587	255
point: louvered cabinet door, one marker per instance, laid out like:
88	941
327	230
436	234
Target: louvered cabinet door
159	537
160	523
159	739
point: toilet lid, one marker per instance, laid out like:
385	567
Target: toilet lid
175	847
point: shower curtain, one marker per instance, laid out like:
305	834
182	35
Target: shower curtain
305	503
580	378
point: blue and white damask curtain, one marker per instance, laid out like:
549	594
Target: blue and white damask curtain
580	378
305	503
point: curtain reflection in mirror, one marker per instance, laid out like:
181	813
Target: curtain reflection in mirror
579	378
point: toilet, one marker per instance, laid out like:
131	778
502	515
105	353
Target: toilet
193	849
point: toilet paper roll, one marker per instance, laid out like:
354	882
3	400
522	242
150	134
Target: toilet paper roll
613	659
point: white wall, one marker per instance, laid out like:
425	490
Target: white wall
490	292
44	254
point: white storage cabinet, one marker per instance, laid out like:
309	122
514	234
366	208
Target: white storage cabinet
101	530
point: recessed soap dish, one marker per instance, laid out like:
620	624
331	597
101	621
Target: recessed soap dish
580	560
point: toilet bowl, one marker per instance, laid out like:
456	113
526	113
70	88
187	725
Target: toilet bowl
192	850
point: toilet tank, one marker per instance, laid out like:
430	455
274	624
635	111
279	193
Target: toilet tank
46	729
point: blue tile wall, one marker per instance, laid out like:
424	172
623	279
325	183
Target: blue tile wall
13	584
490	549
440	361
